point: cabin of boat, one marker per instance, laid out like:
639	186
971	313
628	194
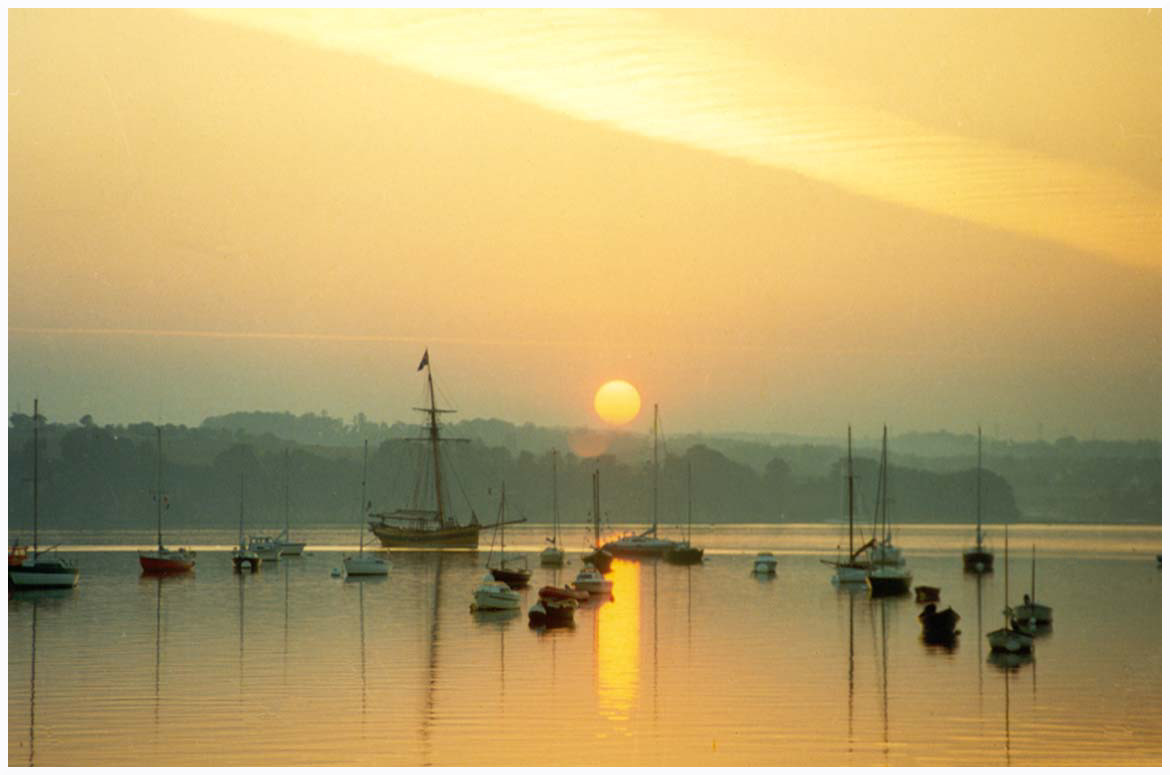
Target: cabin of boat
492	595
938	626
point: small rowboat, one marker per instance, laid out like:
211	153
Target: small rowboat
563	593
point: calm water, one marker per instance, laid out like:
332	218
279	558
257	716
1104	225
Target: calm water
700	666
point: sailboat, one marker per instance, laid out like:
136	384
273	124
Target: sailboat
40	570
514	570
683	553
978	559
1032	616
647	543
889	574
288	548
243	555
363	564
850	570
435	528
1008	639
163	560
553	556
598	558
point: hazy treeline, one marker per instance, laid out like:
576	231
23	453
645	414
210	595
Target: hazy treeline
103	476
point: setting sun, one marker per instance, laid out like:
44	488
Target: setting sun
617	402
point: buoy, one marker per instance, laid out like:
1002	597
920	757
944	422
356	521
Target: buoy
336	572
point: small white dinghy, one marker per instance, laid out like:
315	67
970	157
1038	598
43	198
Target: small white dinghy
1008	639
591	580
765	564
492	595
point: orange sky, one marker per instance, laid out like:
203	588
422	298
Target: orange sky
765	220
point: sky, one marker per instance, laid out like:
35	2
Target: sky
765	220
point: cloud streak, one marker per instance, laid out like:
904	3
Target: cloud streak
631	71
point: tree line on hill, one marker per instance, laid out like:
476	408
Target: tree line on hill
104	476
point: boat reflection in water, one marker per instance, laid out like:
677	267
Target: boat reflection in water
617	632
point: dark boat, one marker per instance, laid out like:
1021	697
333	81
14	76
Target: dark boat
978	559
426	528
598	558
514	570
683	553
924	594
563	593
549	612
938	626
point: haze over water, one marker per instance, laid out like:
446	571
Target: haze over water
706	665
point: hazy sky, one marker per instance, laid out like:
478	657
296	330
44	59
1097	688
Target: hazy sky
764	220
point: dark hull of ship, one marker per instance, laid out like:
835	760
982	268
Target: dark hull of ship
684	555
463	537
883	587
977	561
515	579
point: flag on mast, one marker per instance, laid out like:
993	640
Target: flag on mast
426	359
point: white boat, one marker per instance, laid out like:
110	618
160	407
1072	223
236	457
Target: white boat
553	556
1032	615
266	548
40	570
765	564
591	580
288	548
849	569
362	564
646	544
492	595
888	574
1008	639
978	559
243	555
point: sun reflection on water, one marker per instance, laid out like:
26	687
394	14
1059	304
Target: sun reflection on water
617	643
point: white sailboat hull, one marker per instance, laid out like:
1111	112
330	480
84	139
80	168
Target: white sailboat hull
552	557
43	574
291	549
1010	641
849	575
366	565
496	596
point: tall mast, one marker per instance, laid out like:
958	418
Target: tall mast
1033	574
286	493
1006	608
849	478
596	509
885	488
654	528
556	520
158	494
361	521
241	511
434	413
979	494
688	501
36	457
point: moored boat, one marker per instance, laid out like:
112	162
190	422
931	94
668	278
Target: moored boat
683	553
553	556
513	570
39	570
978	559
938	626
764	564
163	560
598	557
242	555
889	574
1032	616
647	543
564	593
591	580
363	564
552	612
850	569
1008	639
414	527
288	548
492	595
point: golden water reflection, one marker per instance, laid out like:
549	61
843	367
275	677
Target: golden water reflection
617	643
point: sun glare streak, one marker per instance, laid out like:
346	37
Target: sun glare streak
617	649
629	70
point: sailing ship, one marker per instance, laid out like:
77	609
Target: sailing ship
850	570
514	570
288	548
889	574
683	553
598	558
40	570
163	560
363	564
244	555
647	543
1032	616
553	556
428	528
1008	639
978	559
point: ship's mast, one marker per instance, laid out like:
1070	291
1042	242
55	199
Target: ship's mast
241	512
36	457
596	509
885	488
979	494
158	494
286	536
849	479
654	529
362	521
556	518
434	429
